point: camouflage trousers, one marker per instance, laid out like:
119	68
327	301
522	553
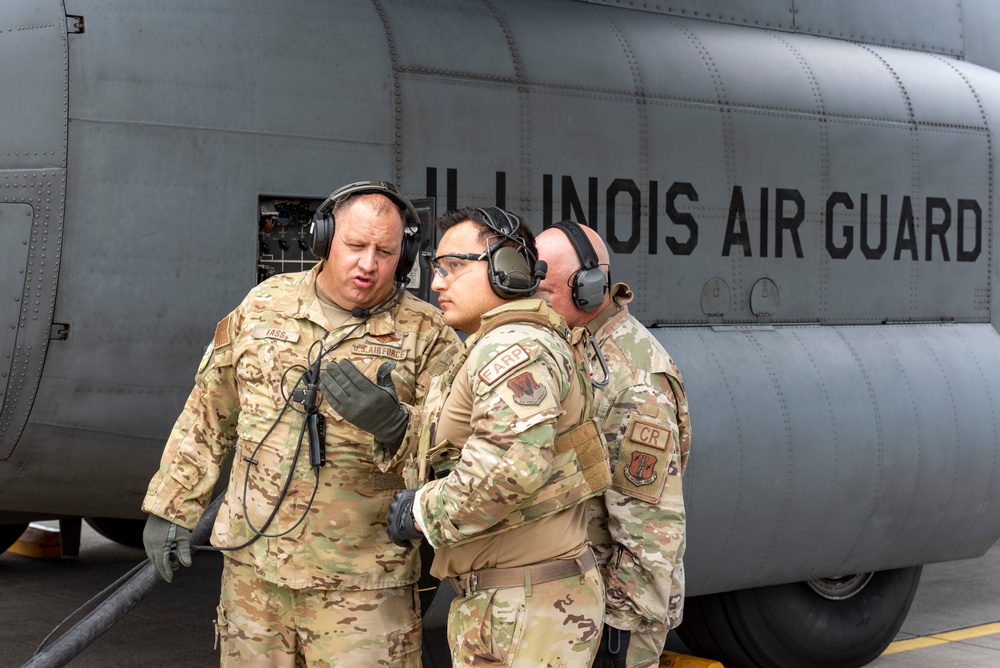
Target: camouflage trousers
554	625
645	648
262	624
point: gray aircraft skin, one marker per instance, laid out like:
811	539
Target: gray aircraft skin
801	193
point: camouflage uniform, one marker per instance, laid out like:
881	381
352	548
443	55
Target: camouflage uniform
511	497
239	398
638	526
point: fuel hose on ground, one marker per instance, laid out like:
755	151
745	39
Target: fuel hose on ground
65	648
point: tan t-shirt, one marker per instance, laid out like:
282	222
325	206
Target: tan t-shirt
334	312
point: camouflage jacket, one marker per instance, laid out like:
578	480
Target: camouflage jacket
508	472
638	532
258	355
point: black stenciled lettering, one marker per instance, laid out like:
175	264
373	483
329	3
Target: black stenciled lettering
906	237
791	223
763	221
617	187
838	252
681	218
654	195
883	239
570	200
963	206
936	229
501	190
546	200
452	194
737	214
431	189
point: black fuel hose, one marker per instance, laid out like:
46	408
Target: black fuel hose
117	605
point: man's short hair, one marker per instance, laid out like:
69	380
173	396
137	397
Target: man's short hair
384	205
486	233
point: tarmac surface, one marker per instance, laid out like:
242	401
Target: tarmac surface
954	620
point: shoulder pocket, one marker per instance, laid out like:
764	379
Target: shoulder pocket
644	454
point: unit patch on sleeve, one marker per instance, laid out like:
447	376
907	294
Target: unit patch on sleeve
503	363
206	357
642	469
222	337
526	391
649	434
643	458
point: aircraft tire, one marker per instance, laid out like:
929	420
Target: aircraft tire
794	626
9	533
122	531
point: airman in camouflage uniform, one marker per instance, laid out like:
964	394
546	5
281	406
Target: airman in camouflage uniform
323	585
638	526
507	432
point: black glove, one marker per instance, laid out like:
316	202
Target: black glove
168	545
613	649
367	405
401	525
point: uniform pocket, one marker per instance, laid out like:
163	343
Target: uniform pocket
402	644
491	624
222	633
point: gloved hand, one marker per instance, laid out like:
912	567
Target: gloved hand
367	405
401	526
167	545
613	649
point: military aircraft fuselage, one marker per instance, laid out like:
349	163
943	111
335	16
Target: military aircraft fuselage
802	200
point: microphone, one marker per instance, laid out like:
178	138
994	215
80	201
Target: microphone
387	305
541	269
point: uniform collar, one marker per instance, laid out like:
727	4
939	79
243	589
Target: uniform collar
556	321
616	310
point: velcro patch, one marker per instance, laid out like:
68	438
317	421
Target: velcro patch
275	333
393	340
503	363
641	469
647	433
222	333
372	350
643	460
527	391
206	357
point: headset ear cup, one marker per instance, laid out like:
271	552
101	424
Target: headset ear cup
322	236
589	286
407	256
510	276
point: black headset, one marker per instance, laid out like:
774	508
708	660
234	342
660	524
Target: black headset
589	283
513	271
323	224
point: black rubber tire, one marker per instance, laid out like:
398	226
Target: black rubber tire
123	532
791	626
9	533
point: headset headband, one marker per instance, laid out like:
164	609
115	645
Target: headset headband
323	224
584	249
513	272
411	219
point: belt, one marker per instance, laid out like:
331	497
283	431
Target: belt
522	576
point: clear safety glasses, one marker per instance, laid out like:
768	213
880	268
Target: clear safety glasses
453	265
